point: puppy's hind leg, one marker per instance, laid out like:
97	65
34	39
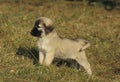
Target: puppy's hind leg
82	60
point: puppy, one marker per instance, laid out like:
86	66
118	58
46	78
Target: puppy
51	45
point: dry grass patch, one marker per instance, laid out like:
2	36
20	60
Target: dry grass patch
72	20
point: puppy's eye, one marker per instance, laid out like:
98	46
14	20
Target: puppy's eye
37	26
40	26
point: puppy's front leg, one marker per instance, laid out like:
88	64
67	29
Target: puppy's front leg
41	57
49	58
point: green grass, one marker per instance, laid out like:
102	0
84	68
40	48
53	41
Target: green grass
72	20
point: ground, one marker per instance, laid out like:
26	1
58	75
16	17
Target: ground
71	20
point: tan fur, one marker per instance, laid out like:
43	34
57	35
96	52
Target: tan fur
45	20
51	46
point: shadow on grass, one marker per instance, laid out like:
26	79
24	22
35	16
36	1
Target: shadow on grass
68	62
32	53
116	70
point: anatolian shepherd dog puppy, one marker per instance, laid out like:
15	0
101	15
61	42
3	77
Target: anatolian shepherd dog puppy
51	45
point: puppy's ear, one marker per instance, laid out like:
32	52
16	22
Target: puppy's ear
49	29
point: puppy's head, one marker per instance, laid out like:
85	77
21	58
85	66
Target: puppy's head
43	26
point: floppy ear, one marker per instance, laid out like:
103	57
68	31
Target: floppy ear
49	29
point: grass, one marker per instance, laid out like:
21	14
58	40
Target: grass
72	20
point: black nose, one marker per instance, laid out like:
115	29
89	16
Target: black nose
35	32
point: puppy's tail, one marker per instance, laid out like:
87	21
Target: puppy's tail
83	44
